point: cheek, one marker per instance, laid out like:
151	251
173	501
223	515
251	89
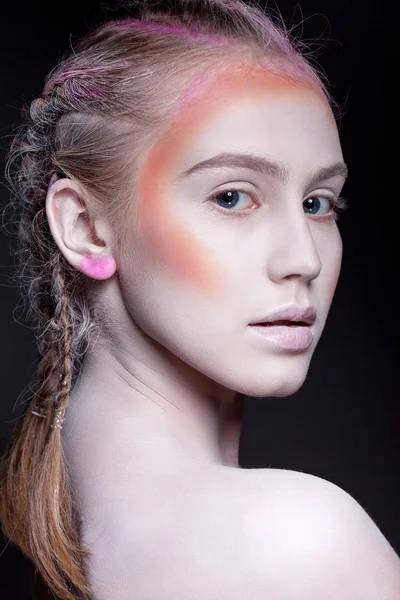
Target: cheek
170	245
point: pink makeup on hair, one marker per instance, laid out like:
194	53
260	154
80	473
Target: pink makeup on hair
216	40
101	267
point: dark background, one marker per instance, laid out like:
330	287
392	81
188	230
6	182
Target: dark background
343	424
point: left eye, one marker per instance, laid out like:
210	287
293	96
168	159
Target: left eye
312	204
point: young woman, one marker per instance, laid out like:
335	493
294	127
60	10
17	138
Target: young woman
179	182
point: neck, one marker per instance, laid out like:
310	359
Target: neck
155	403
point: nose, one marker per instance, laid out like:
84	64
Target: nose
294	254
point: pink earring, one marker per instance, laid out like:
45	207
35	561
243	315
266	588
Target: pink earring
101	267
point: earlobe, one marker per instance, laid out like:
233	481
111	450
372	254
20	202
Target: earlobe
100	267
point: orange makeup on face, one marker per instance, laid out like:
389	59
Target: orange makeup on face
184	256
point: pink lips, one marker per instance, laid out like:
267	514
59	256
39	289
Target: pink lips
290	312
289	337
290	327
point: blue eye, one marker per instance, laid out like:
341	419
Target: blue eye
228	198
335	205
312	204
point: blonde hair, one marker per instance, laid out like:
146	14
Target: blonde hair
98	110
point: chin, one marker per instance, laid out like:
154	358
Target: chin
284	380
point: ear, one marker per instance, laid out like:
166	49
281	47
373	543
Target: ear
78	236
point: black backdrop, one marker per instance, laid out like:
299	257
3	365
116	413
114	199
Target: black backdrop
343	424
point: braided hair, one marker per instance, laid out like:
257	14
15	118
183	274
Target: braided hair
98	110
36	502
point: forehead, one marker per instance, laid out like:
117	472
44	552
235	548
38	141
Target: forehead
244	105
215	92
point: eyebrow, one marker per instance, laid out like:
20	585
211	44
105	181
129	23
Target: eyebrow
261	164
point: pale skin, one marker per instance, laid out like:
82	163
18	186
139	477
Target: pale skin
152	429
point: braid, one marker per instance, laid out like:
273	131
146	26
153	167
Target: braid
44	507
62	313
55	373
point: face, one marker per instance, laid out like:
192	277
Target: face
215	249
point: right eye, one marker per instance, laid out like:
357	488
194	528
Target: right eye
226	199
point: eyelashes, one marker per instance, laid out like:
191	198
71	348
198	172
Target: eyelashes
337	205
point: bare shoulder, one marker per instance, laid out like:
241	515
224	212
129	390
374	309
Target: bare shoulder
240	534
306	535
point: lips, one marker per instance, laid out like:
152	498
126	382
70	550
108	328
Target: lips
290	315
286	323
293	336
